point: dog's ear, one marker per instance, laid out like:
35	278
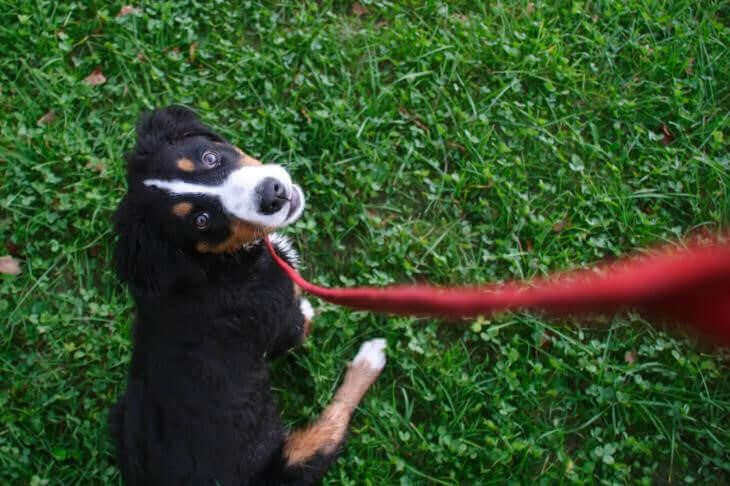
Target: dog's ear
160	127
145	260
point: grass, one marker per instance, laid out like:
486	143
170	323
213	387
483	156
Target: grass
442	141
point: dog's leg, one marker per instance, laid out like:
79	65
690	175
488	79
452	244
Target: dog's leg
326	435
308	312
294	327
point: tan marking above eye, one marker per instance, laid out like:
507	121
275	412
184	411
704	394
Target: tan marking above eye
182	209
186	164
245	158
248	160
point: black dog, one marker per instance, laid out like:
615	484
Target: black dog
212	308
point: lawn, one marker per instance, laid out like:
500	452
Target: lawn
444	141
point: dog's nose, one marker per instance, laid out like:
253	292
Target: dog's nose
273	195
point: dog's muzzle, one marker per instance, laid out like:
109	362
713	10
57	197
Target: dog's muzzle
259	194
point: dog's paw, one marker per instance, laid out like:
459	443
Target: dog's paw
306	308
371	354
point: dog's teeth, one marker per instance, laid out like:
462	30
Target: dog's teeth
372	353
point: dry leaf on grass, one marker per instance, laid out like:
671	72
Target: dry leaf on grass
126	10
12	249
47	118
9	265
561	225
358	9
96	165
457	146
668	136
95	78
305	114
413	118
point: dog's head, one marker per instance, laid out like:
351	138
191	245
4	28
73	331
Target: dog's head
193	193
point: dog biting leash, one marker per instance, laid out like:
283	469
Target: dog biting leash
687	285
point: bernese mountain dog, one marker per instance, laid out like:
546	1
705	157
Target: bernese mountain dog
212	309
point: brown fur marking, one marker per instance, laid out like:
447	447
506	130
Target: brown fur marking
241	234
182	209
326	434
307	329
246	159
186	164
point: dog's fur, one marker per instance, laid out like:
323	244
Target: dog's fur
212	309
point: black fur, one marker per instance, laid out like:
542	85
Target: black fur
198	407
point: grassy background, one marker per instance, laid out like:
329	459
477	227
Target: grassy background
442	141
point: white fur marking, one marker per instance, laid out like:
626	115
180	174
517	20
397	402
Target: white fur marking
372	353
238	193
306	308
284	245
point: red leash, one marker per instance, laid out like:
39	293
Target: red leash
690	286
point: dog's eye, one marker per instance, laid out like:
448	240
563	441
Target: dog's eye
210	158
202	220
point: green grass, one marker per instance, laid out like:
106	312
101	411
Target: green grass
451	142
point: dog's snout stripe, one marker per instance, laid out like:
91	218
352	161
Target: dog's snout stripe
237	194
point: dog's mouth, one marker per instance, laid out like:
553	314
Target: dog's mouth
289	207
296	204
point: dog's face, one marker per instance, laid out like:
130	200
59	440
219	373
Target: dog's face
208	194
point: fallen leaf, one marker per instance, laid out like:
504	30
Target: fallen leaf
9	265
457	146
545	341
561	225
358	9
192	50
95	78
690	66
630	357
305	114
96	165
140	56
12	249
417	121
47	118
126	10
530	8
668	136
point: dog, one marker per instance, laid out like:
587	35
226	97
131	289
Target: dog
212	309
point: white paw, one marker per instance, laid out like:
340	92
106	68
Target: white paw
372	353
306	308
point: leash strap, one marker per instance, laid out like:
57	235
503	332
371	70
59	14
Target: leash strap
688	285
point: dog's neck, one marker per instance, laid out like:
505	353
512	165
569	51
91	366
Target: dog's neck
234	290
